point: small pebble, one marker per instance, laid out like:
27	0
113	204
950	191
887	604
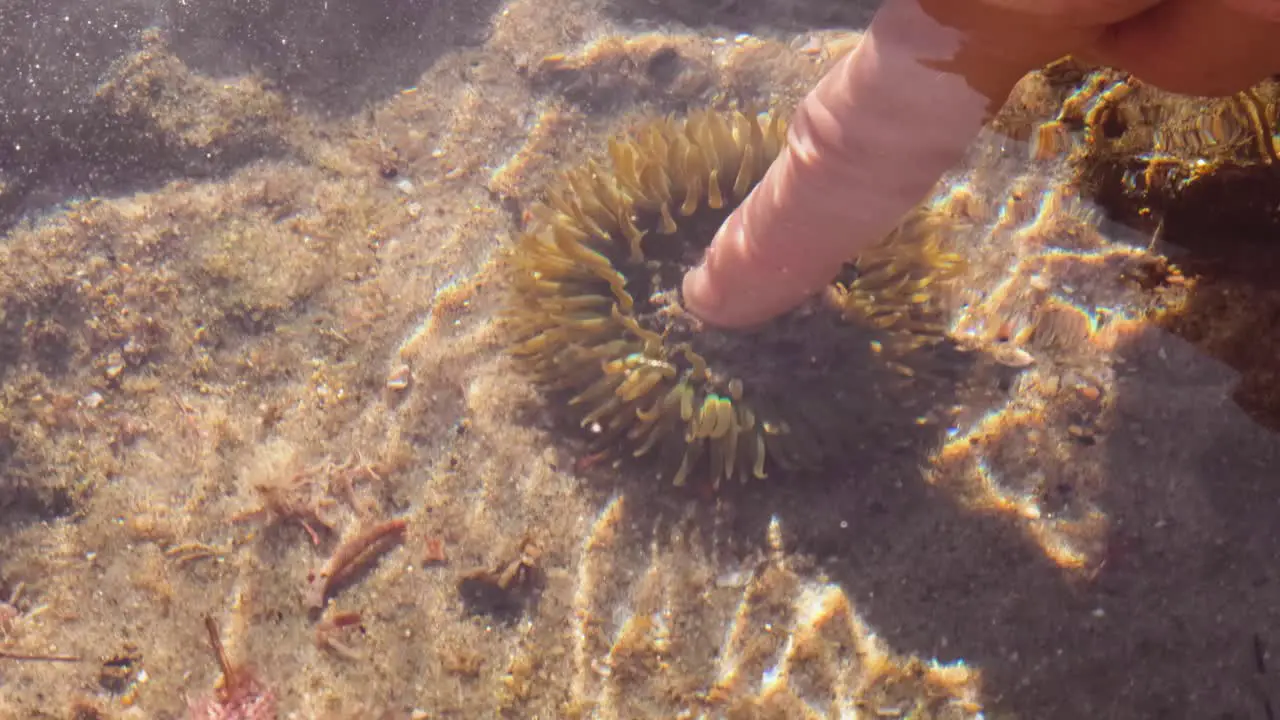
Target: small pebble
813	46
733	579
1012	356
1080	433
399	378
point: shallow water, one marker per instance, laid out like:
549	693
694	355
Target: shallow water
251	265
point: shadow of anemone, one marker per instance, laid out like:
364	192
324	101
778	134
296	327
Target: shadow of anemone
595	313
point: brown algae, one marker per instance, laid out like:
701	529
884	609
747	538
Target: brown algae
595	311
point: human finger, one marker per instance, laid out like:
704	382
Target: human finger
1078	13
865	147
1195	47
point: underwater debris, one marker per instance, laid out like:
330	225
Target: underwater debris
433	551
503	591
332	627
6	655
121	672
594	307
350	557
11	618
296	497
240	696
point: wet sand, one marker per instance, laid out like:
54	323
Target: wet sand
247	294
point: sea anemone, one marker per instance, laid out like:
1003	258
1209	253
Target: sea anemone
594	308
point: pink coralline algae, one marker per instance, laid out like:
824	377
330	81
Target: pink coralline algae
241	696
246	701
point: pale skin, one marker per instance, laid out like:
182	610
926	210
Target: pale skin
878	131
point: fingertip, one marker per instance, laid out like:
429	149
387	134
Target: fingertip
723	299
724	288
701	297
702	288
693	291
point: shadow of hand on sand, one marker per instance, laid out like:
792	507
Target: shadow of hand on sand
1173	622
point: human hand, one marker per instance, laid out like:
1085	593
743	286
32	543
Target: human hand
875	135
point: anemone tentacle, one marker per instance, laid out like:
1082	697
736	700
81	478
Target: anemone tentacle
594	310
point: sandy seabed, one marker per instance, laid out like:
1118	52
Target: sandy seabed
246	324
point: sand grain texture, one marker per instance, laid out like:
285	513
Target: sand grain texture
246	307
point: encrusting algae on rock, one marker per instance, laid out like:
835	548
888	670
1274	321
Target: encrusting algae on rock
594	307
